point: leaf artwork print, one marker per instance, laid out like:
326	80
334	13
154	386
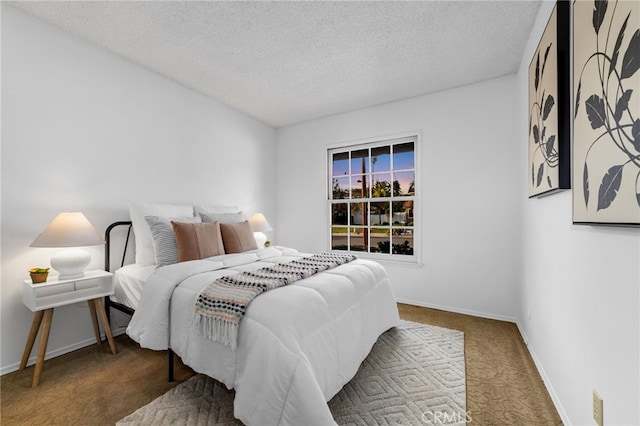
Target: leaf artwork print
543	113
607	109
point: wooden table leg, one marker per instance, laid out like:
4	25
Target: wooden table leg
94	320
35	326
105	325
42	347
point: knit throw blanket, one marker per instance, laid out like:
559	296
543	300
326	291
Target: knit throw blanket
221	306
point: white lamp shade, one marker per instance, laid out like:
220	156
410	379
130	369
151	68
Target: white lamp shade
68	229
72	230
259	223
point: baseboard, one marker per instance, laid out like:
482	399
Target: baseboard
547	382
119	332
57	352
457	310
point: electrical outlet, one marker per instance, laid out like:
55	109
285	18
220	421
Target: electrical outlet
598	413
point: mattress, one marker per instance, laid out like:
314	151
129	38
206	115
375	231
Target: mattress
128	283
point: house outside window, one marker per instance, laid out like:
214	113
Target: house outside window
372	198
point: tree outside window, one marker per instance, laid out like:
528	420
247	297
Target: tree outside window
372	197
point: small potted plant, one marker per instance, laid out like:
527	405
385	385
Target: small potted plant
267	243
38	275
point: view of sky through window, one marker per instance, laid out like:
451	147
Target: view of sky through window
372	197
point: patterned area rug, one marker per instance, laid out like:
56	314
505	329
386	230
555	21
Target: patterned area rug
414	375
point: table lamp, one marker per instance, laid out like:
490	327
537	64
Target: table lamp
259	226
70	230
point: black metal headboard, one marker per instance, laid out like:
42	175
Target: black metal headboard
107	267
107	264
107	249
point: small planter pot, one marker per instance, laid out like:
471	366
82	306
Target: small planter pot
38	277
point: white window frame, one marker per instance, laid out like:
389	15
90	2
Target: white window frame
388	140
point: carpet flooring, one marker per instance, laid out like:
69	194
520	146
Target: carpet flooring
92	387
414	373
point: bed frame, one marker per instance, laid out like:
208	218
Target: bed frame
108	303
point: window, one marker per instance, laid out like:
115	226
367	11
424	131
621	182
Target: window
372	198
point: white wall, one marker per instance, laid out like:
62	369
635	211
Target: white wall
470	199
581	284
83	129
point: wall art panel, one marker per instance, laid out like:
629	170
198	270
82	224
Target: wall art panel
606	169
549	103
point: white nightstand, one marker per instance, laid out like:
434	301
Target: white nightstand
43	298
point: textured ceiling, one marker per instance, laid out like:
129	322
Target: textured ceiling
288	62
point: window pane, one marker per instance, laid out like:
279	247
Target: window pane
402	213
339	214
405	183
358	238
360	161
381	159
340	164
402	241
339	239
372	193
340	188
381	185
379	213
357	212
359	186
403	157
380	242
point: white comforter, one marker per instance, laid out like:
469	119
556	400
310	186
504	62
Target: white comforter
297	345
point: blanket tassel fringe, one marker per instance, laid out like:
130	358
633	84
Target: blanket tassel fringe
225	332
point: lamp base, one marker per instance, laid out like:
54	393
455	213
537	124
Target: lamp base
71	263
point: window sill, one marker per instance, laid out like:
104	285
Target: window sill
403	261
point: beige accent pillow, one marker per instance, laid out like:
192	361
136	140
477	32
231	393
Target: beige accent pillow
237	237
197	240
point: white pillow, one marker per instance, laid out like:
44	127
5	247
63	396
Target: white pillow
145	254
223	217
199	208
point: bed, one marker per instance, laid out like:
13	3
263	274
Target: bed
297	345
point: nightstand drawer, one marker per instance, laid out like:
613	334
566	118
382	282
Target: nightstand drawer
55	292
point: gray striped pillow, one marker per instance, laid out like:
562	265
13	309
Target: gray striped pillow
164	239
